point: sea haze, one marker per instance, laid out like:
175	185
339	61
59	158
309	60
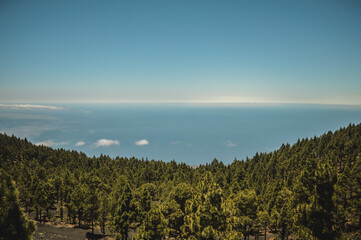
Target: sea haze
194	134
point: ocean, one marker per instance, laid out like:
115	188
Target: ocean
190	133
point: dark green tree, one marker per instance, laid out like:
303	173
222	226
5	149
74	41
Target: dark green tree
122	209
181	193
264	219
282	213
315	209
154	226
92	204
144	196
355	193
204	213
174	217
242	212
13	223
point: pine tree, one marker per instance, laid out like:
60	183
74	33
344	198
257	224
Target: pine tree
13	223
315	208
204	213
282	212
122	209
154	226
355	196
174	216
242	212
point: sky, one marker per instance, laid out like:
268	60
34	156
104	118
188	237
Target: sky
180	51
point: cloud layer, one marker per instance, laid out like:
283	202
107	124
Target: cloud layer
50	143
106	142
79	144
230	144
141	142
46	143
30	106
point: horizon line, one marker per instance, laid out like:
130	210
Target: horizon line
224	103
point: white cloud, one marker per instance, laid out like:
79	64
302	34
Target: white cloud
79	144
230	144
141	142
33	130
106	142
30	106
50	143
46	143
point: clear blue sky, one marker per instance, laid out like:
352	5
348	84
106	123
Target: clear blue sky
180	51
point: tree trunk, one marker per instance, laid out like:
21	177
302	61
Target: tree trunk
61	210
69	216
92	222
283	232
245	233
79	218
103	226
265	232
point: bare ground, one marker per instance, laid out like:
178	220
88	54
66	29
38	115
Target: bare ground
66	232
69	232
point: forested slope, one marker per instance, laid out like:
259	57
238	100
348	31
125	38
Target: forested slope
310	190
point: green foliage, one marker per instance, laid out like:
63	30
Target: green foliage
154	225
355	191
315	207
122	210
310	190
242	212
282	213
13	224
181	194
143	198
174	216
205	216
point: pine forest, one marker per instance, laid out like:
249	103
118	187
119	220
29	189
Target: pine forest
308	190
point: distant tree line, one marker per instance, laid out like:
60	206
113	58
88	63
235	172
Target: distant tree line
311	190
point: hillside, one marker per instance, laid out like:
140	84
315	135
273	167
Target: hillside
310	190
